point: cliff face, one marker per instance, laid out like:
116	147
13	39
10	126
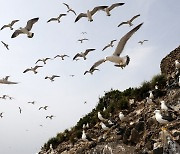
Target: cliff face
167	63
140	132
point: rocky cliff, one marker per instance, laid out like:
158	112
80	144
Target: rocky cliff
139	132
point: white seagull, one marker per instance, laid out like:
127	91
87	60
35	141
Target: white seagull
121	116
89	13
109	45
129	22
100	117
115	57
6	45
69	9
109	8
83	54
177	64
91	71
50	117
52	77
82	40
61	56
142	42
26	30
84	136
6	81
57	18
43	60
10	25
151	96
33	69
104	127
162	118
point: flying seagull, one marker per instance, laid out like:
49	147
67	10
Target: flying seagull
26	30
83	54
32	69
33	102
129	22
1	114
82	40
69	9
91	71
89	13
142	42
57	18
43	60
109	8
51	77
50	117
61	56
20	110
6	45
6	81
10	25
165	107
71	75
115	57
109	45
83	32
43	107
163	119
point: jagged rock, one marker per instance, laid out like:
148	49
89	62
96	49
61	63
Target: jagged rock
158	150
135	136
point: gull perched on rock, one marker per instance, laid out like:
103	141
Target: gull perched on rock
109	8
61	56
163	119
26	30
57	18
82	40
33	69
142	42
89	13
6	45
109	45
104	127
83	54
69	9
6	81
121	116
177	64
10	25
51	77
43	60
115	57
129	22
100	117
91	71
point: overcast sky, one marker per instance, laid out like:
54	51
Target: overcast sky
22	133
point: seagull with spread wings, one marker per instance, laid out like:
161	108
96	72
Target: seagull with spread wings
129	22
10	25
1	114
26	30
33	69
6	45
56	18
43	60
61	56
43	107
33	102
91	71
115	57
109	8
69	9
52	77
82	40
90	13
142	42
6	81
109	45
50	117
83	54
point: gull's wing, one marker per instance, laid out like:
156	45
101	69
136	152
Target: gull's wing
57	56
115	5
61	15
80	16
73	11
27	70
37	67
96	64
134	17
97	9
38	61
47	58
77	55
66	5
52	19
106	47
124	39
55	76
145	40
88	50
122	23
85	72
16	33
4	27
13	22
113	41
30	23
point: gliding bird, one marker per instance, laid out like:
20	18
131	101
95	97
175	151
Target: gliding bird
129	22
10	25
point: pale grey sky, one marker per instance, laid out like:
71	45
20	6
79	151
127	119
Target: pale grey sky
21	133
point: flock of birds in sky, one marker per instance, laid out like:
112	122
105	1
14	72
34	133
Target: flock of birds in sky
116	58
